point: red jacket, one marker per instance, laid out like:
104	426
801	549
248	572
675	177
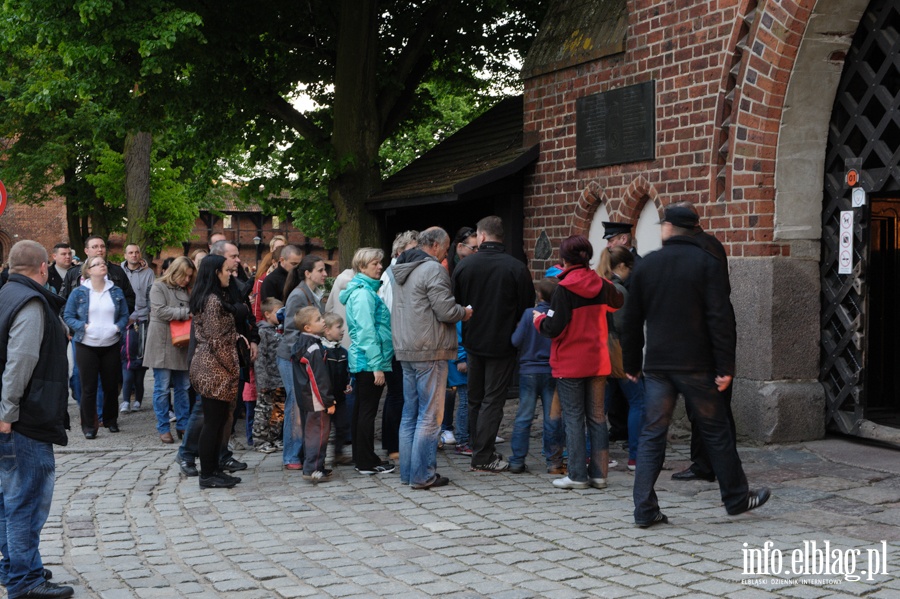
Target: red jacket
576	322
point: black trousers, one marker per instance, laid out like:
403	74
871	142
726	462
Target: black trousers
215	418
365	409
392	412
489	380
105	362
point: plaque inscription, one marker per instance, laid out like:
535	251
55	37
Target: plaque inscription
615	127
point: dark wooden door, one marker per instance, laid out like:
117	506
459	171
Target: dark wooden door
883	372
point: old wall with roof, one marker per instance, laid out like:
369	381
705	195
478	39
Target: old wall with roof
730	115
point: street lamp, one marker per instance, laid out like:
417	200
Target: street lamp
256	241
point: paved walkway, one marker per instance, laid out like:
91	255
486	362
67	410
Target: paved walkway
125	523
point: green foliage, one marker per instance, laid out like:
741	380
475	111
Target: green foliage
172	212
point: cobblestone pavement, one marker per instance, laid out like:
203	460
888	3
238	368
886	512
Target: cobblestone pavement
125	523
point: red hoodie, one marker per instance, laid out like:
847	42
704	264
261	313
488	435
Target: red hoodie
576	322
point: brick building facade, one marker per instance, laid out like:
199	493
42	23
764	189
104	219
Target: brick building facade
744	92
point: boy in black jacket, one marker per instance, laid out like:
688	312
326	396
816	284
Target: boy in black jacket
312	388
339	375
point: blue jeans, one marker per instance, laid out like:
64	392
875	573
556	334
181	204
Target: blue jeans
180	381
634	393
133	380
293	417
27	469
582	403
462	415
530	387
710	418
424	385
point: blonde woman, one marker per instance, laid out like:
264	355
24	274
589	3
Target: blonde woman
169	299
97	313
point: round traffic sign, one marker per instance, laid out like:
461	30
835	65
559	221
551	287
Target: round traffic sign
852	177
2	198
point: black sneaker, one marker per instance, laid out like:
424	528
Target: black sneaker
436	481
187	468
518	468
660	518
49	590
319	476
216	482
235	479
497	465
233	465
754	500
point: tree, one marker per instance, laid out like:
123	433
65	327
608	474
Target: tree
233	68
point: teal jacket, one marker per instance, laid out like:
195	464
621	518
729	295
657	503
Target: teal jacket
369	324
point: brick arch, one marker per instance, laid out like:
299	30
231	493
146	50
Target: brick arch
589	200
639	192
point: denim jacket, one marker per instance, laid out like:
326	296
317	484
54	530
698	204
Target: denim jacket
77	306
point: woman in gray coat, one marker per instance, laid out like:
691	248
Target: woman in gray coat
169	297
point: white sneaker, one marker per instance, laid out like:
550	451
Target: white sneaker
499	439
447	438
123	407
568	483
135	406
172	417
613	463
597	483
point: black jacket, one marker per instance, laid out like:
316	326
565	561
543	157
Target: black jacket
42	410
273	285
499	288
682	292
115	274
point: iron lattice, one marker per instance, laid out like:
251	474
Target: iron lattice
864	130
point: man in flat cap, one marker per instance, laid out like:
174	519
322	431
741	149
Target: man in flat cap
681	292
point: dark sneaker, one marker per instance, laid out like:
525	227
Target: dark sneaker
342	460
518	468
49	590
216	482
754	500
319	476
660	518
234	479
688	474
385	468
497	465
188	468
233	465
436	481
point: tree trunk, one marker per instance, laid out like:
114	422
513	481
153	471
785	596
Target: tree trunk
356	127
137	184
74	221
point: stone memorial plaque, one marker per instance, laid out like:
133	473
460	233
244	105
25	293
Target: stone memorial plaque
615	127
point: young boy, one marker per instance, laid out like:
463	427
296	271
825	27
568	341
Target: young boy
312	388
339	373
535	379
268	417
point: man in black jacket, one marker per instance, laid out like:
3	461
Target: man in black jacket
499	289
682	296
33	417
273	284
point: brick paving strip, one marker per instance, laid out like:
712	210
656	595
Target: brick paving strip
126	524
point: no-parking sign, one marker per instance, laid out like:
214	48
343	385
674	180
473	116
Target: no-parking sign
2	198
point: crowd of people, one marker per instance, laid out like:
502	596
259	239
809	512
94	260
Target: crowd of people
443	329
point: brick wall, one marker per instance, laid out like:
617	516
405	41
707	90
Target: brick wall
721	70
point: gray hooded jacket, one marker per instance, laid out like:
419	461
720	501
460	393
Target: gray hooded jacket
424	311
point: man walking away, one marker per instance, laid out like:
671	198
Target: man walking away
498	288
33	417
682	296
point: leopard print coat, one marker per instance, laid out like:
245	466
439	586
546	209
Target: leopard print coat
214	369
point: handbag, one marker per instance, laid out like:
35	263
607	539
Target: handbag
181	332
615	358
